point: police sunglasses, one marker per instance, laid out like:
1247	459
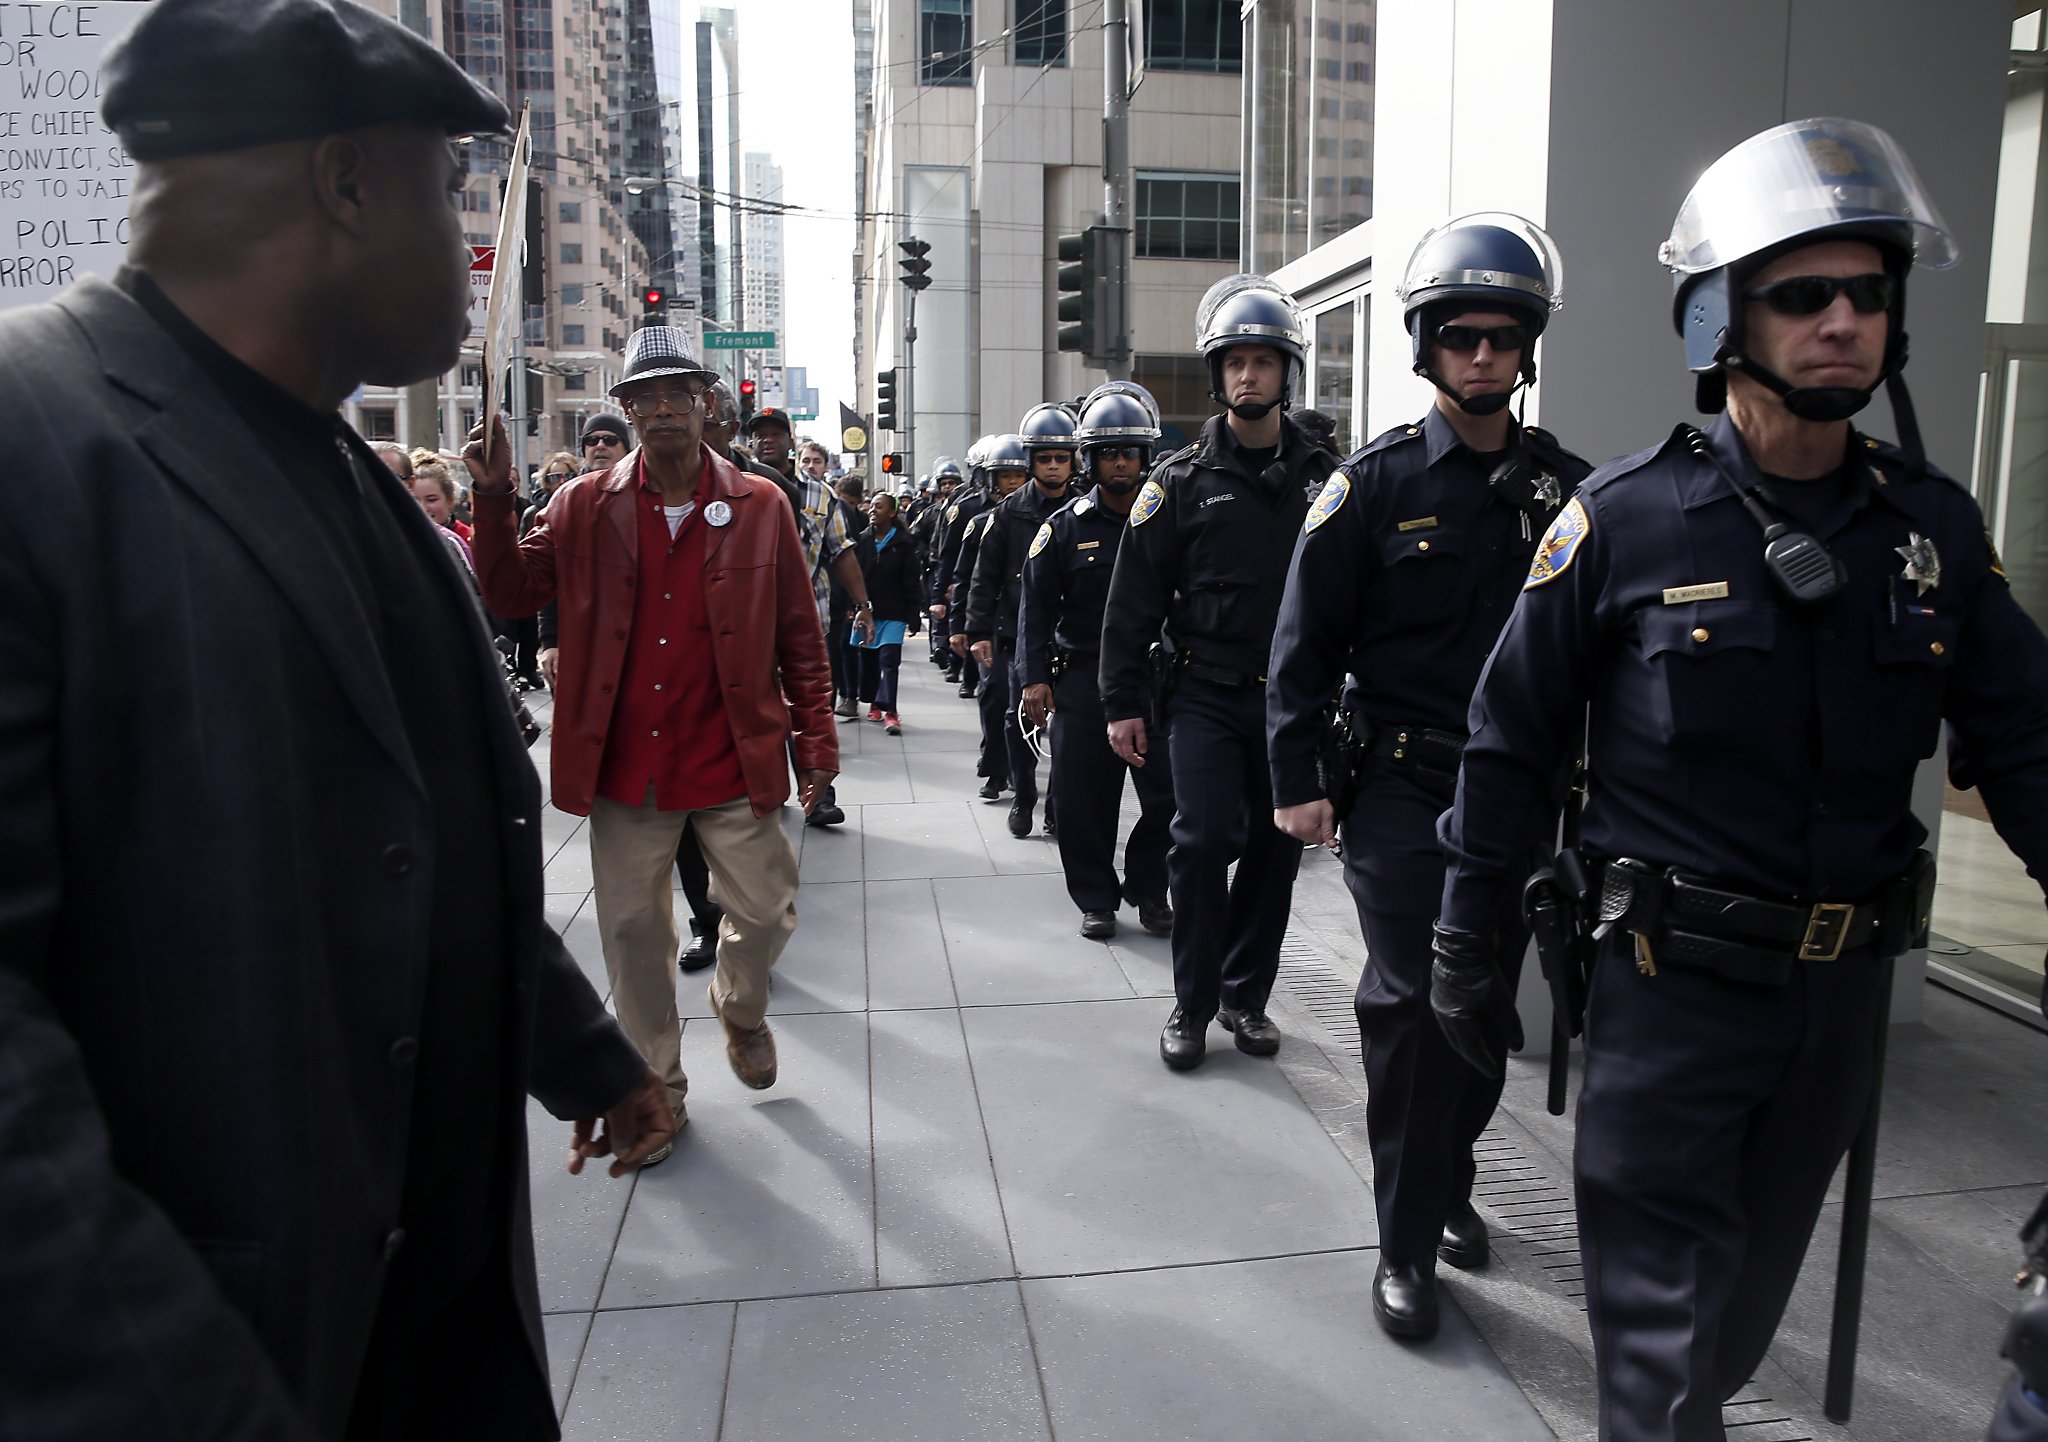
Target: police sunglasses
1811	294
1120	453
1464	338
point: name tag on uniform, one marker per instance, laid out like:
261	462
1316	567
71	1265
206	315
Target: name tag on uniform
1709	591
1087	545
1416	525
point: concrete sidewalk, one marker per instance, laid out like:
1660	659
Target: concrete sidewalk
975	1206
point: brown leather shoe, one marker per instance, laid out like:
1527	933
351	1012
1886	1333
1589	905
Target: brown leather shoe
752	1054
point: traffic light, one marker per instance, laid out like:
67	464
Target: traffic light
654	298
894	464
746	399
1090	299
885	400
916	269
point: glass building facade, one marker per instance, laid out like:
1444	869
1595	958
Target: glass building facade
1308	106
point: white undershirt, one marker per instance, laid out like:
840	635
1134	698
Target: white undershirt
676	515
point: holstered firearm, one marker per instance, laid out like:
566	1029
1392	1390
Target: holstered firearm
1165	663
1557	902
1341	755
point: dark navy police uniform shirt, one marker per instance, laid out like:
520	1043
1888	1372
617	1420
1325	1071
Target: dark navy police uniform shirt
1405	573
1734	733
1066	586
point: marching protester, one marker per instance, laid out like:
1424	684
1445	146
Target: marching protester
1769	622
353	973
678	696
893	567
1405	572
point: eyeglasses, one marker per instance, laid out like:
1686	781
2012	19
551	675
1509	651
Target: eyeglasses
1798	295
646	403
556	476
1464	338
602	438
1120	453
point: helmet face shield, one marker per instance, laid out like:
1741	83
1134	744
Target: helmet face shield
1802	179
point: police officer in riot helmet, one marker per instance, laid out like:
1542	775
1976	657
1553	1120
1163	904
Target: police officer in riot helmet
926	530
1405	572
970	498
1206	557
1047	434
1007	464
1769	623
1059	641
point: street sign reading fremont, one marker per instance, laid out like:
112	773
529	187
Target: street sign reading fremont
739	340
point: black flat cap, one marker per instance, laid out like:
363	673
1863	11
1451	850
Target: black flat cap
196	76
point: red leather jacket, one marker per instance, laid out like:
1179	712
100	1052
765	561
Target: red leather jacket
584	555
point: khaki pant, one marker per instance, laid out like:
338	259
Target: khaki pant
753	876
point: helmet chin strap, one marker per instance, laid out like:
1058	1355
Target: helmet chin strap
1490	404
1809	403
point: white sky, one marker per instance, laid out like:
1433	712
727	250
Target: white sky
796	103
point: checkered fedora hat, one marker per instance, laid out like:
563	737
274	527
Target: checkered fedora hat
661	350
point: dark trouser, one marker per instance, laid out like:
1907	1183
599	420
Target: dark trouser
695	875
1425	1106
524	634
2019	1419
992	699
1088	787
840	652
1023	761
1710	1120
1226	933
878	668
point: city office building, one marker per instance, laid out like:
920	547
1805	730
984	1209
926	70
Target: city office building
1594	119
761	241
984	138
571	62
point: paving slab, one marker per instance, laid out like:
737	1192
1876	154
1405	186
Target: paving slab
1016	939
1147	960
575	1219
1281	1349
1013	855
906	950
831	853
937	1215
768	1193
574	918
932	838
875	774
569	868
926	1365
942	775
652	1375
563	1332
1108	1160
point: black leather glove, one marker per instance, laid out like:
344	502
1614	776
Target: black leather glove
1471	1000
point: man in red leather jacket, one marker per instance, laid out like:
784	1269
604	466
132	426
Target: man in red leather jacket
690	657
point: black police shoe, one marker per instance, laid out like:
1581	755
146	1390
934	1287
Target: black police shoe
1098	925
703	947
1464	1243
1404	1299
966	691
991	790
1156	917
1256	1036
825	814
1020	819
1185	1039
1052	818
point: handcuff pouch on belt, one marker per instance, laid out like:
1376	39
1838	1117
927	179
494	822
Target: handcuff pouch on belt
1164	663
1426	756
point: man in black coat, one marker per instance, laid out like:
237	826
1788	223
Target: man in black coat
274	977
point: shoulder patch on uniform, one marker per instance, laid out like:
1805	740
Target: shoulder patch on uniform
1334	491
1997	565
1040	541
1083	506
953	511
1149	500
1559	544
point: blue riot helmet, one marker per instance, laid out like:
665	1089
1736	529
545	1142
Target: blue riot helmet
1791	186
1488	261
1006	453
1118	417
1049	426
977	476
947	468
1249	310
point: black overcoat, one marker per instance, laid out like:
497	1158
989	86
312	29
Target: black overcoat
216	859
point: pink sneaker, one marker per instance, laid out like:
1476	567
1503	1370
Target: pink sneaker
891	725
874	713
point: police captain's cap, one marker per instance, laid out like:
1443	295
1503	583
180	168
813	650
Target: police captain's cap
197	76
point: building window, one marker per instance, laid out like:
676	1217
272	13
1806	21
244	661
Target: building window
572	335
572	252
573	382
1180	384
1202	35
1041	32
572	294
946	42
571	212
1186	217
380	423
